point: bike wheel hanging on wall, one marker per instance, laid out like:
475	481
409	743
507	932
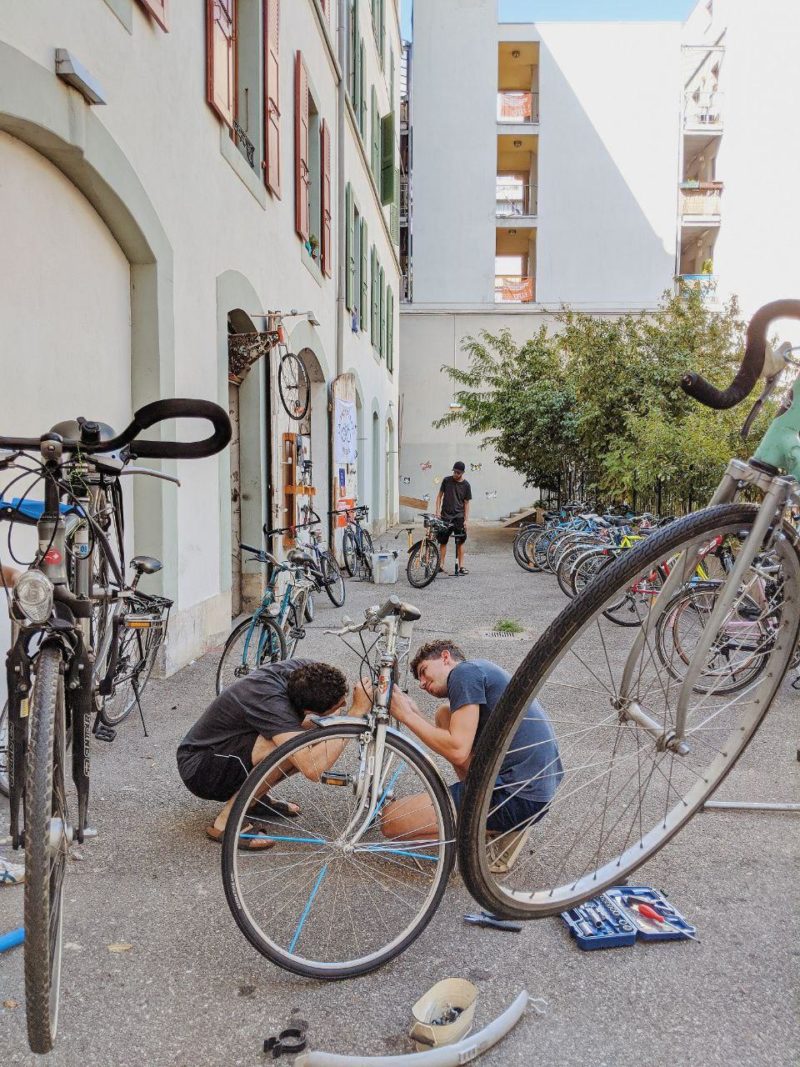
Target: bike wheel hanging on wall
294	386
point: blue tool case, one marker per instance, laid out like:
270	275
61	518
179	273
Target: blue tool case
607	921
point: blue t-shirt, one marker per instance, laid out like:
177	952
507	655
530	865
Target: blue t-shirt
532	757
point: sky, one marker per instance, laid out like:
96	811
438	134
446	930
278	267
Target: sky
567	10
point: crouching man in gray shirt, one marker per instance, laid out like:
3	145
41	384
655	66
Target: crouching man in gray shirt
531	771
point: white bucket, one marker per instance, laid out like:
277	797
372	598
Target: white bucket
384	568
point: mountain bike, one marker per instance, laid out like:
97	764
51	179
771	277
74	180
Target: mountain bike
356	542
424	556
52	685
646	738
340	892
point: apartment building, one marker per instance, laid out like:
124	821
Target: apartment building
168	175
595	165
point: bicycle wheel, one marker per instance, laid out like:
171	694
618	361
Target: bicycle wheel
47	837
319	902
521	553
136	658
350	552
293	386
332	576
628	785
423	564
253	643
4	750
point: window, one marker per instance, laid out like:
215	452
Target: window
375	152
302	172
312	173
379	26
353	254
387	182
375	303
381	313
241	86
361	110
364	276
353	42
389	328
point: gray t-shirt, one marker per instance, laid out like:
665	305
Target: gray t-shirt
256	704
532	757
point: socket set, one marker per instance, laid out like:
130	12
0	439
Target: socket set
614	919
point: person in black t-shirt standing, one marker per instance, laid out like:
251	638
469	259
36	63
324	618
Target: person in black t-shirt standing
452	505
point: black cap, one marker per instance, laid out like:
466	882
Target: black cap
459	466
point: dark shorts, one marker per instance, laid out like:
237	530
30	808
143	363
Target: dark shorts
215	775
458	531
516	811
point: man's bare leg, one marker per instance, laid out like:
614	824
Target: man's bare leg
460	554
261	749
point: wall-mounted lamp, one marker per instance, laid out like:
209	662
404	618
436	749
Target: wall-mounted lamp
75	74
518	144
515	54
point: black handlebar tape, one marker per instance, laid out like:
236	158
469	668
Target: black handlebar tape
389	608
249	548
160	411
752	364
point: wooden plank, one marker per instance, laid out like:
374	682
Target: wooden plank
414	502
528	515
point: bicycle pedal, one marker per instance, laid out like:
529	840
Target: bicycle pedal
103	732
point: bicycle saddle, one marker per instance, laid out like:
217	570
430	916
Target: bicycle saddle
297	555
146	564
408	613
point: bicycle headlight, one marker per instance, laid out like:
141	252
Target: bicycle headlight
33	595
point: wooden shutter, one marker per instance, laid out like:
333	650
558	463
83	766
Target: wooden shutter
302	177
381	312
389	328
158	9
362	91
219	57
272	110
375	154
387	158
326	249
364	310
349	246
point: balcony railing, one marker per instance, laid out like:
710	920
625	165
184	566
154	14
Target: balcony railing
517	106
701	200
704	109
404	197
514	199
705	284
513	289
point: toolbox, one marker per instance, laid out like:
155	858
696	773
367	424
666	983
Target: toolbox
606	921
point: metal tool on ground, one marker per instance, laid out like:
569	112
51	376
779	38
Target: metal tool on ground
289	1041
485	918
624	914
650	913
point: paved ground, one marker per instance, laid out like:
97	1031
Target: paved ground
191	991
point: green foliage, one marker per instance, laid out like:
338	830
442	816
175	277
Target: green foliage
599	401
508	626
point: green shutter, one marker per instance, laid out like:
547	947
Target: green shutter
364	310
349	255
355	62
376	139
361	111
382	29
374	303
389	328
382	316
387	159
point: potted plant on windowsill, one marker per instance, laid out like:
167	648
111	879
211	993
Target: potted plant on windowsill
312	246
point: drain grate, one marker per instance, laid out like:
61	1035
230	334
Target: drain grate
491	635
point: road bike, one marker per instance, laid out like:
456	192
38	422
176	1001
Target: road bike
52	682
424	556
646	737
342	890
356	542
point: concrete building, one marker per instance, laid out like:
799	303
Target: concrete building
211	164
582	164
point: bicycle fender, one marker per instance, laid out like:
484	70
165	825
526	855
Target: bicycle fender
415	545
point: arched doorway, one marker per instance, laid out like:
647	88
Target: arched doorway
375	508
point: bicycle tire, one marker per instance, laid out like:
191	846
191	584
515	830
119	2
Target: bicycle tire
350	552
235	863
273	653
521	550
332	577
719	738
424	563
45	861
4	782
294	386
147	645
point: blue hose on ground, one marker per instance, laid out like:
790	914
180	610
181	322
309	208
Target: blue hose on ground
12	939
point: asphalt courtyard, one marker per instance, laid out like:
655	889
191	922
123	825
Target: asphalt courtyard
189	991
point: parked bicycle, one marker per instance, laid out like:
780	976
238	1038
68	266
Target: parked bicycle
310	540
339	892
356	542
52	684
424	556
646	737
294	386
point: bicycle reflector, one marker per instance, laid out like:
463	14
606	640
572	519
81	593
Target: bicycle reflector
138	622
33	595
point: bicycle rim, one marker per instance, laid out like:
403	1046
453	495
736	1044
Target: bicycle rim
293	386
625	792
137	653
47	835
423	565
334	582
313	904
253	643
349	553
4	750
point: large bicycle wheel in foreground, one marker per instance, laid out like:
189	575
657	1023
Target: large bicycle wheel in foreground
615	696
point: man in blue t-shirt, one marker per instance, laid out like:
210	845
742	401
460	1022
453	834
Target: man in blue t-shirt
531	771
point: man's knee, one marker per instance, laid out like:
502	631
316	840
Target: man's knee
261	749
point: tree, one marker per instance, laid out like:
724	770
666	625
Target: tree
600	400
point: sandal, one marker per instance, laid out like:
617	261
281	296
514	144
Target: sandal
246	844
266	806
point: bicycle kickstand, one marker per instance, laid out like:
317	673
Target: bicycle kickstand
139	706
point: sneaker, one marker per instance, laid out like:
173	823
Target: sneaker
11	873
463	570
